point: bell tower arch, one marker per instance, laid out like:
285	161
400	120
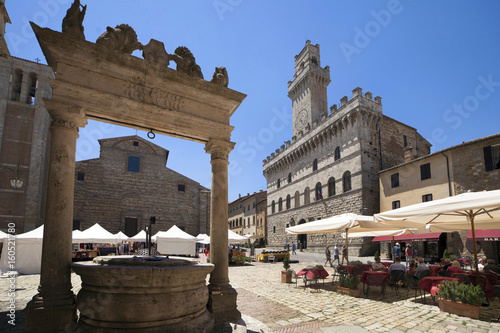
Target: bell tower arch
308	88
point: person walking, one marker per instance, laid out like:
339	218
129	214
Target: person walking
344	254
408	254
328	255
397	251
336	254
293	248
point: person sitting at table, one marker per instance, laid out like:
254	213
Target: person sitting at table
447	263
377	265
481	264
455	267
397	265
491	267
412	266
422	266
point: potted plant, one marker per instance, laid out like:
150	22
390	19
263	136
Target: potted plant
286	275
348	285
461	299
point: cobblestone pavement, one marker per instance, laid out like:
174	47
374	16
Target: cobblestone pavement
267	305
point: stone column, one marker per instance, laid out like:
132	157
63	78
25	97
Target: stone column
23	96
222	297
53	309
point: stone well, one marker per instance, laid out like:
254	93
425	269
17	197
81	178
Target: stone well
143	294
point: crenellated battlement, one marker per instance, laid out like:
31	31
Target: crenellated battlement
341	115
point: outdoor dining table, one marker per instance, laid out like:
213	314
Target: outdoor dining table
321	273
350	268
434	269
377	280
431	283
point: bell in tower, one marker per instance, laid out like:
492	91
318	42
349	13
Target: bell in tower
308	88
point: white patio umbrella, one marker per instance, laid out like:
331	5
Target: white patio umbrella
336	223
233	237
466	211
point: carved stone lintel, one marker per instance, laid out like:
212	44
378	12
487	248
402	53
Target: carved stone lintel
220	76
72	23
122	38
155	52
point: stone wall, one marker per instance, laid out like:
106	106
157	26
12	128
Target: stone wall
110	193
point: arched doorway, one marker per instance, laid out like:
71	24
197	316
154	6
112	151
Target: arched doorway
302	238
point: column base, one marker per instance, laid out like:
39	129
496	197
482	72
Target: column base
222	303
51	314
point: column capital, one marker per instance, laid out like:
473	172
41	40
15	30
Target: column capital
65	115
219	149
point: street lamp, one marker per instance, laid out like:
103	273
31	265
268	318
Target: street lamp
15	182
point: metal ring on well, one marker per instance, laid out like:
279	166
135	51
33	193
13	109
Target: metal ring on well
151	135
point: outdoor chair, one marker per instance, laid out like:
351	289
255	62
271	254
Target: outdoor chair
482	281
270	259
358	270
464	278
311	277
377	280
395	277
420	276
294	277
496	291
340	271
444	272
411	283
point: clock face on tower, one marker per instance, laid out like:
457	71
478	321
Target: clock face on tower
301	120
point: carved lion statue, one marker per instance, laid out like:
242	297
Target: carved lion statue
220	76
122	38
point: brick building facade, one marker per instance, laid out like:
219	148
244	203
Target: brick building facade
24	136
130	182
331	164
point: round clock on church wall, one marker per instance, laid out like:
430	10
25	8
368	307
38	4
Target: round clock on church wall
301	119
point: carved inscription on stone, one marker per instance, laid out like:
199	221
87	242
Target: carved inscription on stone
156	97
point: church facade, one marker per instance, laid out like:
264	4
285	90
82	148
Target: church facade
331	164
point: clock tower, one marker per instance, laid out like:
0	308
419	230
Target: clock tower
308	88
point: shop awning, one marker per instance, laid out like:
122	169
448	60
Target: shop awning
485	235
429	237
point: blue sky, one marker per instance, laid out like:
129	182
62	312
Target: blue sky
436	64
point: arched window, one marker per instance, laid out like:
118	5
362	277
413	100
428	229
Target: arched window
297	199
317	192
337	153
273	207
331	187
15	85
279	183
307	196
315	165
346	180
289	178
288	202
274	229
280	205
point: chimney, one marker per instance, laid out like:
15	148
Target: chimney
408	153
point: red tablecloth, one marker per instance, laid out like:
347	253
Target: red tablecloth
428	282
321	273
364	276
434	269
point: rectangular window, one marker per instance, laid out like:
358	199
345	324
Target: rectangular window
426	197
405	139
395	180
136	143
425	171
80	176
181	187
492	157
396	204
134	163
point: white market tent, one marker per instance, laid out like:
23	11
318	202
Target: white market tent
95	234
121	236
175	241
233	237
203	239
140	237
28	257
